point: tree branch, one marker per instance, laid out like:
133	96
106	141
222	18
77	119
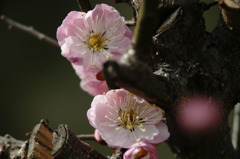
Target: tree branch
48	144
186	61
137	62
29	30
226	34
40	142
140	82
84	5
145	29
68	146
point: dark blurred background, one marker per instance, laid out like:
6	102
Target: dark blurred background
36	82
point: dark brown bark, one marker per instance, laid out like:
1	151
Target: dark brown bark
186	60
67	145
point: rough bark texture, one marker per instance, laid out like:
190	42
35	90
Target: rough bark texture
185	60
12	148
46	144
67	145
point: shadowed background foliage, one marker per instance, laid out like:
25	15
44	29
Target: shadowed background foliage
36	81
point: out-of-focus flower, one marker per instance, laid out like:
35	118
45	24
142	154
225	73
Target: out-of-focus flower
89	81
141	151
90	39
124	119
198	114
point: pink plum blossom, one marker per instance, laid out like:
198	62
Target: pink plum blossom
90	39
89	81
98	138
198	114
141	151
123	119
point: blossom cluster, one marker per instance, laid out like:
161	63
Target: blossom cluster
121	119
89	39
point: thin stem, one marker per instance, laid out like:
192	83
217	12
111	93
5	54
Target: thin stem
29	30
130	22
236	127
86	137
84	5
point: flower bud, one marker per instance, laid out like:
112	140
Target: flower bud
141	151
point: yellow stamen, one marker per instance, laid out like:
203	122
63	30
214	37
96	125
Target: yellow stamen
95	42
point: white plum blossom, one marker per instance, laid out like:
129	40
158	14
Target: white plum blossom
123	119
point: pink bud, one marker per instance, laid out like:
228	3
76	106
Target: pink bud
141	151
198	114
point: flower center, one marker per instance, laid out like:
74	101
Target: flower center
128	118
131	117
95	42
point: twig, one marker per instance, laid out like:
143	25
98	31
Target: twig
84	5
29	30
86	137
236	127
130	22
